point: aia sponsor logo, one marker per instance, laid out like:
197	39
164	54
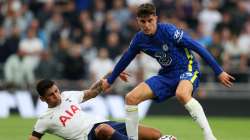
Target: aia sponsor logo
68	114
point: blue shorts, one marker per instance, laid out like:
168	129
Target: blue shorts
118	126
164	86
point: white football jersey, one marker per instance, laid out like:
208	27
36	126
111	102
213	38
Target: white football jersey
67	120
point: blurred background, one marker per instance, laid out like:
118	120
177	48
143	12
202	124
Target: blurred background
76	42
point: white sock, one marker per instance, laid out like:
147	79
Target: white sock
132	121
196	111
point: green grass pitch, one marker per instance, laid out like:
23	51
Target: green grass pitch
225	128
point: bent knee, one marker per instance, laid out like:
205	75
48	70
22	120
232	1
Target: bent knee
131	99
104	130
180	94
140	93
183	96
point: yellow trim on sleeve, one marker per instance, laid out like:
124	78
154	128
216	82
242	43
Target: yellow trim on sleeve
190	59
194	77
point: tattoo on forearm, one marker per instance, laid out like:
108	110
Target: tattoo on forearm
97	87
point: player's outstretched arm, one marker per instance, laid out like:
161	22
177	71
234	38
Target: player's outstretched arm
105	85
97	87
123	76
226	79
93	91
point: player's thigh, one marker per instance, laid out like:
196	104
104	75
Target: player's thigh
140	93
189	81
148	133
184	87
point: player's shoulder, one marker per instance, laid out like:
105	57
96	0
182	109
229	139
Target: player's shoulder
167	27
45	115
65	93
68	93
137	39
173	32
72	95
138	36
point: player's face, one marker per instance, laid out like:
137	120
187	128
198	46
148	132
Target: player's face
148	24
52	97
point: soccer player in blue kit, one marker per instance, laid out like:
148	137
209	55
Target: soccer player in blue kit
179	73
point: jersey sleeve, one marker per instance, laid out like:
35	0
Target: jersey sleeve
125	60
180	38
74	95
40	127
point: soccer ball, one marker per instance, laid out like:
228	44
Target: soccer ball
168	137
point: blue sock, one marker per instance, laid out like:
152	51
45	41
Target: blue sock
118	136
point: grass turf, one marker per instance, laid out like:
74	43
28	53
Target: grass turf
15	128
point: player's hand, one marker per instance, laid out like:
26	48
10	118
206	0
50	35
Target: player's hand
124	76
226	79
105	85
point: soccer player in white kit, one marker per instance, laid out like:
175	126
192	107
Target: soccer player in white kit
65	118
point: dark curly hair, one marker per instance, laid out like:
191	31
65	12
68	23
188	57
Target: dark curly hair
43	85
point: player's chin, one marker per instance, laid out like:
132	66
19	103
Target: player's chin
147	32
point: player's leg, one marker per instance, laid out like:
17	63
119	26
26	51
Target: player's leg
117	131
139	94
106	132
148	133
184	95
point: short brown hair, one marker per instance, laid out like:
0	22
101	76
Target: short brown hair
145	10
